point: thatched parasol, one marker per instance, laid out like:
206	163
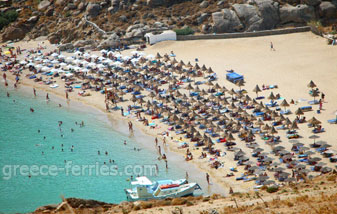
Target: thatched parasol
256	90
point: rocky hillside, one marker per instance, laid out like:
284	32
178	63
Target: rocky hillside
104	22
314	196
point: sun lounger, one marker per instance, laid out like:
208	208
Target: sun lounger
306	108
259	98
257	114
284	112
271	104
313	102
332	121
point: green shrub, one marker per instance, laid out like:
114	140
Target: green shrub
184	31
272	189
3	22
7	17
11	15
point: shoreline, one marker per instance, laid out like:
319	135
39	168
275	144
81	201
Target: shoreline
140	135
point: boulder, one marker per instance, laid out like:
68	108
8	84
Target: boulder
54	38
43	5
111	42
226	22
13	33
155	3
202	18
249	15
204	4
59	2
123	18
93	9
33	19
327	10
65	47
49	12
313	3
300	14
269	12
71	6
82	43
133	27
81	6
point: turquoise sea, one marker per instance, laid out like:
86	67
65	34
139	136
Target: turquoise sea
21	144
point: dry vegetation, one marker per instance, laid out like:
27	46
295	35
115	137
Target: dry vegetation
316	196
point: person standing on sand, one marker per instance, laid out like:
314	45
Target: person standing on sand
272	46
322	97
320	104
67	95
4	76
186	176
34	91
207	178
156	141
47	97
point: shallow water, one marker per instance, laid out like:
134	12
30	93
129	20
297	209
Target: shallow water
21	144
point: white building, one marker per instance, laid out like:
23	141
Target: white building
164	36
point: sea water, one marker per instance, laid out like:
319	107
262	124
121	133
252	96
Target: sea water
21	144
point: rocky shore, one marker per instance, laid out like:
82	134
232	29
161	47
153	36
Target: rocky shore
109	23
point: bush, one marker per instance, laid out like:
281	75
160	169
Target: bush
3	22
184	31
272	189
7	17
11	15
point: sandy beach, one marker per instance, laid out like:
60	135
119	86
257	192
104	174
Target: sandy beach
297	59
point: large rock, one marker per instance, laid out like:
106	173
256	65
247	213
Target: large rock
65	47
13	33
155	3
327	10
249	15
93	9
269	12
111	42
43	5
312	2
54	38
299	14
204	4
226	22
82	43
202	18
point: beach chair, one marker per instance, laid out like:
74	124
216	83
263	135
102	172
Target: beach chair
332	121
306	108
285	112
313	102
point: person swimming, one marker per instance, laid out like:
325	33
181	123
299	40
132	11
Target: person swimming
31	109
8	94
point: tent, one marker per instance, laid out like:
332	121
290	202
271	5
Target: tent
152	38
233	77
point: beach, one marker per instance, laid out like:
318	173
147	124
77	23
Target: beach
297	59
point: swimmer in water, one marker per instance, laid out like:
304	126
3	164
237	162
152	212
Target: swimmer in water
31	110
62	144
52	147
106	153
60	105
8	94
38	131
98	152
62	150
124	142
42	153
44	137
62	135
72	130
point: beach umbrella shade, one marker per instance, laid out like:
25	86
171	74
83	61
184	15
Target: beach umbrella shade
284	104
257	90
279	169
258	150
313	121
311	84
314	137
271	96
294	125
209	70
230	137
309	153
240	83
299	112
158	56
314	94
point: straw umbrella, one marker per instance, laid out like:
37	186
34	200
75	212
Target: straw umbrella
257	90
272	131
271	96
311	84
313	121
240	83
294	125
314	137
314	94
299	112
284	104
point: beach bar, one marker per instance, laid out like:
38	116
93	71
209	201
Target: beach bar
153	38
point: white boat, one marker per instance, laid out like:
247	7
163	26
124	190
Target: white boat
144	189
